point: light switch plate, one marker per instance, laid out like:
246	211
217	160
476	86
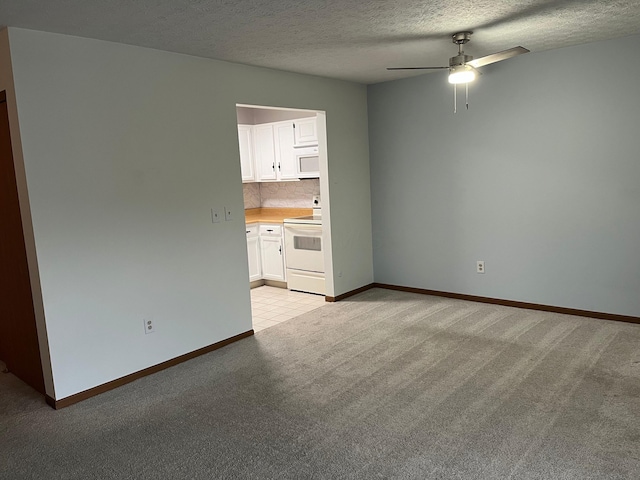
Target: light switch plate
215	215
227	214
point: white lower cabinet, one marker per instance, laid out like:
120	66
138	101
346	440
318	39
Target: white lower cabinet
272	266
253	251
272	252
265	248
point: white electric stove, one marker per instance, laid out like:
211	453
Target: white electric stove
304	254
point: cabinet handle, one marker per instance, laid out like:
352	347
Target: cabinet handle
248	231
280	249
279	166
268	230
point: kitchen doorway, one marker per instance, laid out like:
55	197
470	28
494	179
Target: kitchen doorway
283	159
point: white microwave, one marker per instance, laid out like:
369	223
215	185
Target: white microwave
307	162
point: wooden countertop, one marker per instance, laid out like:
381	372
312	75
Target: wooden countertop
274	215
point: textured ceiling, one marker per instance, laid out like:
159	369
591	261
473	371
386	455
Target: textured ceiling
347	39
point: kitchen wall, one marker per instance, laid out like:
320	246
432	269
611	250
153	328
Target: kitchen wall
251	195
257	116
125	151
539	178
281	194
267	115
245	116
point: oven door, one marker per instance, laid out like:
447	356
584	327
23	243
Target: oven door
303	247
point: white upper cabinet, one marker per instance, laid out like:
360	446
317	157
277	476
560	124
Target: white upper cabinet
265	152
285	159
306	132
269	151
247	164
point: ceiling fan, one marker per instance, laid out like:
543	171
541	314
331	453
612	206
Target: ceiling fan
463	68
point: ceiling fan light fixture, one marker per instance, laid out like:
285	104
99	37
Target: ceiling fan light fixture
462	74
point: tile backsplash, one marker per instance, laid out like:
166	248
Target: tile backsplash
251	193
281	194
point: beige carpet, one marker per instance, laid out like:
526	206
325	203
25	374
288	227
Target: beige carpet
383	385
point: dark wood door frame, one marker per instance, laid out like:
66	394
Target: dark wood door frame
19	347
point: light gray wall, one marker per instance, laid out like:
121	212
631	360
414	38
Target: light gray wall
126	149
540	178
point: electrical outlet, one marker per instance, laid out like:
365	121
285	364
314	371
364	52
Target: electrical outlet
215	215
148	325
227	214
480	266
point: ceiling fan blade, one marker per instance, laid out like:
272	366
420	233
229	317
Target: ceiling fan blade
415	68
497	57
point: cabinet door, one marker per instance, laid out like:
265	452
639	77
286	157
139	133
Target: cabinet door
305	132
272	258
285	156
265	152
247	165
253	250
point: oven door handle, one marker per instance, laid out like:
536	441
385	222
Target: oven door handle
304	229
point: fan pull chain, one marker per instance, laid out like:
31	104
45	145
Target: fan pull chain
455	97
466	89
455	100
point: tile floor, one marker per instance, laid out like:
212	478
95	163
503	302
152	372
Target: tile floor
271	306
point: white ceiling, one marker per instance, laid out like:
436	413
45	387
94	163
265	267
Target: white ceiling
347	39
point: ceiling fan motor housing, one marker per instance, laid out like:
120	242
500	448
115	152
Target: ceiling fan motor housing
460	60
460	39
